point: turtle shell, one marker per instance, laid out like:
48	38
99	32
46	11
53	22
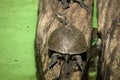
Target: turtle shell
67	40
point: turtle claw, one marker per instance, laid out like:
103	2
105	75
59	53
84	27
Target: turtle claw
79	63
54	59
81	69
51	65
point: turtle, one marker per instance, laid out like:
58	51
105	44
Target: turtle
65	4
67	43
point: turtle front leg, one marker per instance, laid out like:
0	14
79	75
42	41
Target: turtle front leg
65	4
79	62
54	60
82	4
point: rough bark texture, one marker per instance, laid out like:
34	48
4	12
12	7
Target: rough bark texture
48	23
109	26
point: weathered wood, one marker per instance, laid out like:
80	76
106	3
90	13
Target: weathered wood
109	26
47	23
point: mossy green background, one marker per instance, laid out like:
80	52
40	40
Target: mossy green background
17	33
94	19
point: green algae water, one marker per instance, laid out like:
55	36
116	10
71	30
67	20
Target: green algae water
17	34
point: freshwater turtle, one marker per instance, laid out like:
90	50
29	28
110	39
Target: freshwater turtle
67	43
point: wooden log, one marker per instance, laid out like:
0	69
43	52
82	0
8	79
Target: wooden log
109	27
47	23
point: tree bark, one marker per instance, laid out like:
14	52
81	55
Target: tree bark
47	23
109	27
